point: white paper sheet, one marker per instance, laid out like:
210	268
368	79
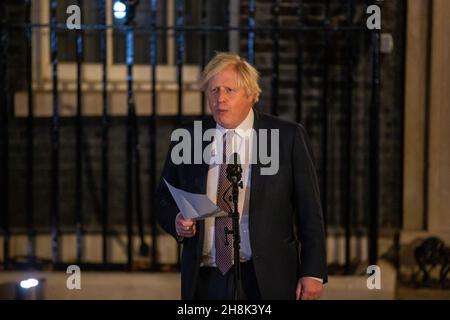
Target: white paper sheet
194	206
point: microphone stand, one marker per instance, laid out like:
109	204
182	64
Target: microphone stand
234	175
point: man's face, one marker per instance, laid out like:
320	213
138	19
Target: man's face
229	104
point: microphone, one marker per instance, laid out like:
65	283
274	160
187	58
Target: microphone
234	168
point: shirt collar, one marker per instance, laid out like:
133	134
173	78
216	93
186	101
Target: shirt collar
243	129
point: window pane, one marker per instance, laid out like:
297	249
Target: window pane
67	38
142	37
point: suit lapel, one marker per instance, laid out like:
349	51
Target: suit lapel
200	171
200	179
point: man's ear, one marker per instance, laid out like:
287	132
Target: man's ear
251	98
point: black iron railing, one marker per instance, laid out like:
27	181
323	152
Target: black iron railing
134	197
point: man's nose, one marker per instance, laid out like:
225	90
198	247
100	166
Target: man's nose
221	95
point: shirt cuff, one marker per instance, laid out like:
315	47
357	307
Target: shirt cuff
318	279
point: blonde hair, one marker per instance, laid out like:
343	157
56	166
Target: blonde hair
248	76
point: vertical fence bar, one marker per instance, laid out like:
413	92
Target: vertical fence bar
79	147
143	247
179	32
299	66
55	233
152	134
105	134
348	106
374	147
129	161
203	50
227	23
326	63
130	133
275	56
251	32
4	136
29	206
179	54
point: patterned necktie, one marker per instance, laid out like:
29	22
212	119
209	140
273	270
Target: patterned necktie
223	241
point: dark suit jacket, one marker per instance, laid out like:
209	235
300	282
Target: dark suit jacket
284	211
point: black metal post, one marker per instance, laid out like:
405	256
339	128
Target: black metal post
143	248
130	131
79	149
179	34
251	32
236	241
234	176
55	233
4	136
275	56
325	111
203	50
105	135
180	55
29	207
374	148
299	85
348	106
152	134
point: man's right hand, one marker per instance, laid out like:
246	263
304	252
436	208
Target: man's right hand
185	228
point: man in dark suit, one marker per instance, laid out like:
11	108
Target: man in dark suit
282	249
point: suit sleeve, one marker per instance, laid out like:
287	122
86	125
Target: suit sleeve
310	226
166	209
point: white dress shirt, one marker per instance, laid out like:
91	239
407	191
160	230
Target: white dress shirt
241	144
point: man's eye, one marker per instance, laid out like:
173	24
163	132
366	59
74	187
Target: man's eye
214	90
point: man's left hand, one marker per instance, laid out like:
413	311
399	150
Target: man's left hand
308	289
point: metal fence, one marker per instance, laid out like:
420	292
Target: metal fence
133	216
